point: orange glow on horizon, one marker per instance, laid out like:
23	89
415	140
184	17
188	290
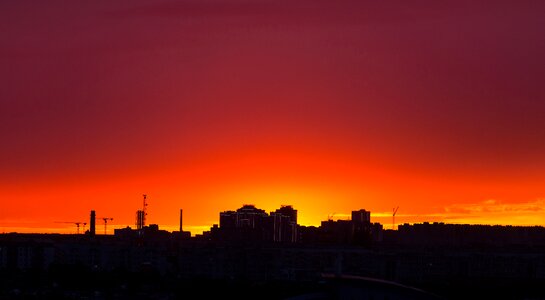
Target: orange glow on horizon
318	186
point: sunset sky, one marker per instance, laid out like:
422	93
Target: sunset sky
437	107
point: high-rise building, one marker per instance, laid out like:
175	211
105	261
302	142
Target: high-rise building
285	224
228	219
288	211
361	216
250	216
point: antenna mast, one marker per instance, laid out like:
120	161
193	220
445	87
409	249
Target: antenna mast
144	213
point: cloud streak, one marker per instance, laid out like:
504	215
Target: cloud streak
490	211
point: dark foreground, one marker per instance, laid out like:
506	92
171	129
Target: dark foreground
82	283
109	267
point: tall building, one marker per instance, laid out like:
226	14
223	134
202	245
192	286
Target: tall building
228	219
288	211
250	216
361	216
361	227
285	224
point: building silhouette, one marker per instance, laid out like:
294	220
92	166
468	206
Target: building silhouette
92	222
249	223
285	228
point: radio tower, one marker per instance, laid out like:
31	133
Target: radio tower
141	215
144	213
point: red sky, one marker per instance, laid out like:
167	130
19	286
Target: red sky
433	106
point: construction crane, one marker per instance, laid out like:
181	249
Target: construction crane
77	225
394	210
106	223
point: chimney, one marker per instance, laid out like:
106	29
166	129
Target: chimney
181	215
92	224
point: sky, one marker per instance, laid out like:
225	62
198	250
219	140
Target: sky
437	107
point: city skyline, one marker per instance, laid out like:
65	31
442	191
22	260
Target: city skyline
106	226
435	108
